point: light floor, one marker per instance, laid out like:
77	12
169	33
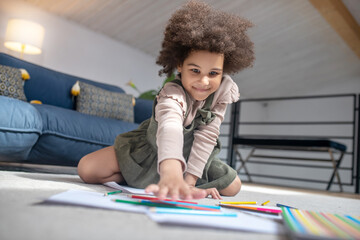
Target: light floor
23	215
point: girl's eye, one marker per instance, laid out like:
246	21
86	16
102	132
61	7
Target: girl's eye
213	73
195	70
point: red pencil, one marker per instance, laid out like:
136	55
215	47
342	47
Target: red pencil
155	198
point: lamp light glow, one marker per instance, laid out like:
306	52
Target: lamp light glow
24	36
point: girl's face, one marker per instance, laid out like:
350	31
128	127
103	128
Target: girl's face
201	73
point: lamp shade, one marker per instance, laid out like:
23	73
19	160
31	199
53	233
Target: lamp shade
24	36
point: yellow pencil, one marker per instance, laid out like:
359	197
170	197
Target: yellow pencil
238	202
263	204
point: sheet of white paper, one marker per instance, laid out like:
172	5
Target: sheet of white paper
126	189
94	199
243	222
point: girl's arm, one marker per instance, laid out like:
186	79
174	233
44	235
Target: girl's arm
191	179
172	183
169	114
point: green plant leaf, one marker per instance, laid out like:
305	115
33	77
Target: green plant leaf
149	95
169	79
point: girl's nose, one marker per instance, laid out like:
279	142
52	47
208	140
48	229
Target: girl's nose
205	80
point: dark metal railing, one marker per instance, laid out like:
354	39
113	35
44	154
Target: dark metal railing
235	125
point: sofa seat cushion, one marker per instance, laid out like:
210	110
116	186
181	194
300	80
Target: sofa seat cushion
68	135
20	127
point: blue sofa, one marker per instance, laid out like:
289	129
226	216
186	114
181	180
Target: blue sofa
54	132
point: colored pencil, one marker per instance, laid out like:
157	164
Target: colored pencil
191	212
282	205
197	206
263	204
188	205
169	204
155	198
254	209
111	193
238	202
184	204
305	224
147	203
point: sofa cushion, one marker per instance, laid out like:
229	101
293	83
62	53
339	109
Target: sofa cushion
102	103
68	135
20	127
49	86
11	83
142	110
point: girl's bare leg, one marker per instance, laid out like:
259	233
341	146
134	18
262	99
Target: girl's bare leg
100	167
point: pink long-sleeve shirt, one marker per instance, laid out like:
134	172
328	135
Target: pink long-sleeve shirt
170	112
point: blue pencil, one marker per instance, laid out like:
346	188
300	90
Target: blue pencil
161	210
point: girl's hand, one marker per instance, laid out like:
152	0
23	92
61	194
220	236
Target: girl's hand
191	180
172	183
178	189
213	192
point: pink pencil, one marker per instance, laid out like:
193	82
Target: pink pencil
257	209
155	198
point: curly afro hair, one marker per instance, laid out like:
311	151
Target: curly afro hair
197	26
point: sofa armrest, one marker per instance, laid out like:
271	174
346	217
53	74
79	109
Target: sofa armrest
142	110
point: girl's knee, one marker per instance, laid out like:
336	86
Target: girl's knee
233	188
86	170
99	167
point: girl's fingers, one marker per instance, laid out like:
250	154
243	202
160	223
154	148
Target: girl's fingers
163	192
199	193
186	194
174	193
213	192
152	188
216	194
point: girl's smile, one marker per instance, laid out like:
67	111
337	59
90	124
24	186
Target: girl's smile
201	73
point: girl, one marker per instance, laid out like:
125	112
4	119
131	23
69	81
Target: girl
175	150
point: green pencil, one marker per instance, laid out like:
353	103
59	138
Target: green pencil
111	193
148	203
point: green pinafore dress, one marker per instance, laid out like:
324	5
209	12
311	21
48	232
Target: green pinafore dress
136	152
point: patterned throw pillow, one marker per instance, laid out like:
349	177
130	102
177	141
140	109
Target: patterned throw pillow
11	83
102	103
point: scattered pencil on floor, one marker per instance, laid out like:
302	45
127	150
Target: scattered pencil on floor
235	203
111	193
282	205
191	212
155	198
264	203
254	209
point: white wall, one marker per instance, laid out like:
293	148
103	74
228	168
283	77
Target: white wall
73	49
